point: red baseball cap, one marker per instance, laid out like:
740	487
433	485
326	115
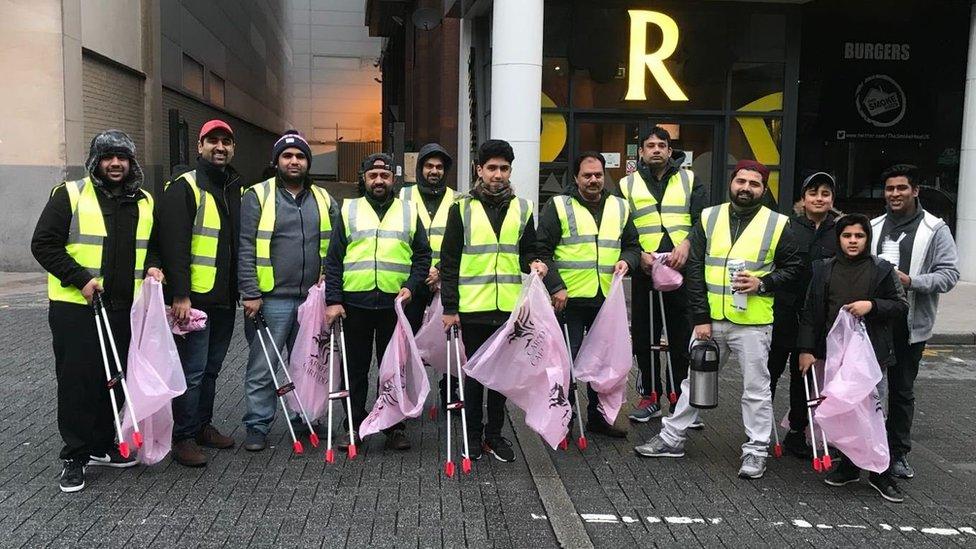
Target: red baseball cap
215	124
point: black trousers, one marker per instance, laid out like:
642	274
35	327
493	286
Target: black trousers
642	333
901	391
85	418
474	336
779	357
577	321
363	328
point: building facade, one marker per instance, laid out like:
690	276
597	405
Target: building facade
802	86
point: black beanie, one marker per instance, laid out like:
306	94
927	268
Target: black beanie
291	138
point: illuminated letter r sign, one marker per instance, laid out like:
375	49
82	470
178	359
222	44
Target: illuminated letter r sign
639	58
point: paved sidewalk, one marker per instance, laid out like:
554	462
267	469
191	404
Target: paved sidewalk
605	496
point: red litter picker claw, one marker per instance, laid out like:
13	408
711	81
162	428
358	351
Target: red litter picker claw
329	456
654	395
581	443
124	449
297	447
466	465
352	451
673	398
137	437
817	466
314	439
564	443
449	469
826	462
432	413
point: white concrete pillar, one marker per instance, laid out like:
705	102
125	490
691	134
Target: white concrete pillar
516	87
966	204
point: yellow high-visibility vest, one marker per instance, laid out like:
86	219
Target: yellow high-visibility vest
266	225
587	253
86	235
756	246
435	227
675	213
490	277
204	240
378	253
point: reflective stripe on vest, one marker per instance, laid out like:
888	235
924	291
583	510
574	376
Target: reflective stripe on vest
266	226
756	246
675	208
86	235
435	227
378	253
490	277
204	239
586	254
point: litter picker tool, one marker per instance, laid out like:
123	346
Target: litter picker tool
581	440
812	403
672	394
655	347
104	329
337	395
260	328
825	461
452	341
777	447
312	436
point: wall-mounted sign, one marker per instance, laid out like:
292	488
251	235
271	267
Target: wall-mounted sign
653	61
612	159
880	101
631	166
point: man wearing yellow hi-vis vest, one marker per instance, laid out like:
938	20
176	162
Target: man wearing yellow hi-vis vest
585	236
378	253
286	224
740	254
433	199
199	221
666	200
489	242
96	234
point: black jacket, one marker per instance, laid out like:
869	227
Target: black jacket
889	305
451	249
786	260
175	216
121	215
698	199
814	243
375	298
549	233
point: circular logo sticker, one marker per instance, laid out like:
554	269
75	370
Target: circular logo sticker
880	101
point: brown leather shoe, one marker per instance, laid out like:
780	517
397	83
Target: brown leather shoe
187	453
210	437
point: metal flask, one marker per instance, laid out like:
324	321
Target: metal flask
703	371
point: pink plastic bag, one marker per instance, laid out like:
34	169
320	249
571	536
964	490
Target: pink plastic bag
403	384
196	321
851	413
432	339
526	360
309	359
664	278
604	358
154	374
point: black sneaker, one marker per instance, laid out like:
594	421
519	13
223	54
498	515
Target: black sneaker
475	451
255	440
600	426
501	448
901	468
843	474
397	440
795	443
73	476
886	486
112	458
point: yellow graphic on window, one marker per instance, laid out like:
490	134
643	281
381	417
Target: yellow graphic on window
654	61
553	137
759	137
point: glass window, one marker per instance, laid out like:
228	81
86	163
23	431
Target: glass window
755	138
757	87
555	82
192	75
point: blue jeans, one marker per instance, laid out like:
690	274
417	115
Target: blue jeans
202	354
281	314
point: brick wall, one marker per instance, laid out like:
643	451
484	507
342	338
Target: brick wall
113	98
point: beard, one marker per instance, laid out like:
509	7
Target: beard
745	199
285	177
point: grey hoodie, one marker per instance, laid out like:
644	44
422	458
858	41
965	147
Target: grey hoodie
932	268
295	254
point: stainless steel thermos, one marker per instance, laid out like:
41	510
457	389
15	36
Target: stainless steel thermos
703	372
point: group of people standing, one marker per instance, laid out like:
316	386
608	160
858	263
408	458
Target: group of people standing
216	242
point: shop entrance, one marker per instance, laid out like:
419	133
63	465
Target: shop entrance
618	139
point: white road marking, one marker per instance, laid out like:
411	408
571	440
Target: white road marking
800	523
